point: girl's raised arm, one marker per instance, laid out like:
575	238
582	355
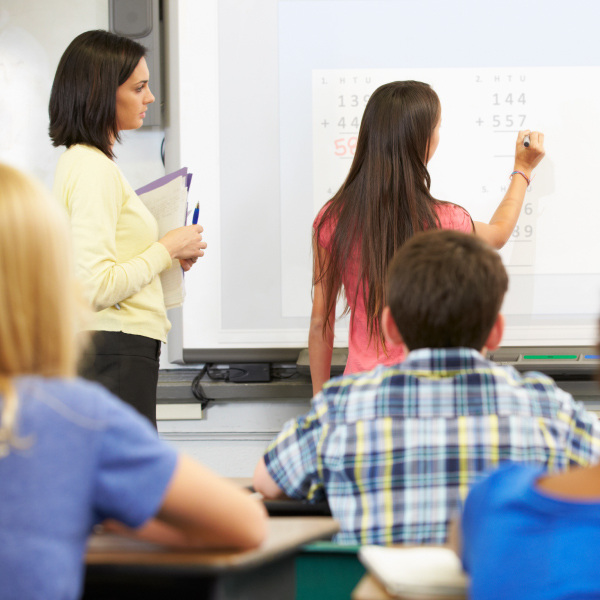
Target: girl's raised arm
498	231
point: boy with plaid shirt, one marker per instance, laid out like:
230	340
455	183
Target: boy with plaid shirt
395	449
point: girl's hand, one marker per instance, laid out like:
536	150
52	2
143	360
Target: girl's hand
528	157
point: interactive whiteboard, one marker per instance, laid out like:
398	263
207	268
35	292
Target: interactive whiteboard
291	79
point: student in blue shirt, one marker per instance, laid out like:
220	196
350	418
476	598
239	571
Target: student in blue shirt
530	535
72	455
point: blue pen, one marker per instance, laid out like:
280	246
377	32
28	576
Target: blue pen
196	213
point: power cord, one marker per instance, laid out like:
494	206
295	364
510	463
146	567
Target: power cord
197	388
226	373
284	371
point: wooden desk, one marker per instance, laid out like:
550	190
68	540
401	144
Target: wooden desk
288	507
119	568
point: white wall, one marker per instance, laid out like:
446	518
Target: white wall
33	36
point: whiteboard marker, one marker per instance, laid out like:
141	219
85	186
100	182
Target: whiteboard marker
526	141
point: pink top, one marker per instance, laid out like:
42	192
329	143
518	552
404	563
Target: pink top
362	354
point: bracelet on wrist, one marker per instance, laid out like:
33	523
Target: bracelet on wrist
523	174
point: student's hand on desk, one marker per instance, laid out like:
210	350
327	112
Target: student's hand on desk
154	532
184	242
529	157
201	510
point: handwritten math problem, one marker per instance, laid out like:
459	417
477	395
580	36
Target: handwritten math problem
482	109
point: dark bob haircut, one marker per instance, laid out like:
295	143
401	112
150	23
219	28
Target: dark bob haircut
84	93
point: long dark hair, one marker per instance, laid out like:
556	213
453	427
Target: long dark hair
385	198
83	101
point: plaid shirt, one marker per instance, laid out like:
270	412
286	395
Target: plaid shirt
396	449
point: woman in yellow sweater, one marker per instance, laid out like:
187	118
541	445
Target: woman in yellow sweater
100	89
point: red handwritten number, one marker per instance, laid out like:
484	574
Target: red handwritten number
340	147
345	146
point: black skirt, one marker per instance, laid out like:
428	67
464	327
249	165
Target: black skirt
126	365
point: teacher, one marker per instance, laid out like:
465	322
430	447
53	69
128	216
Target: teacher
100	89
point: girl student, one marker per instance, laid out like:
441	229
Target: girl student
384	200
71	454
100	89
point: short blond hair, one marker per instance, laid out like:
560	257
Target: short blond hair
40	310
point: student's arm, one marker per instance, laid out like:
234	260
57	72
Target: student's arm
582	442
498	231
263	483
291	463
454	536
320	344
201	509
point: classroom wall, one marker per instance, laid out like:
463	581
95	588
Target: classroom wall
29	54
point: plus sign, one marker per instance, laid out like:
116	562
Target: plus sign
325	123
479	122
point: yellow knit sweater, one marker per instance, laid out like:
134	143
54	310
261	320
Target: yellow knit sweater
117	255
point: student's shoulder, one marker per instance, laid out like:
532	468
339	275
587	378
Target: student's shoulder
325	221
76	400
495	493
537	390
503	484
534	380
453	216
541	383
518	473
357	389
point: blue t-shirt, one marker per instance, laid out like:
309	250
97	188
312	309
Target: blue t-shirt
519	543
86	457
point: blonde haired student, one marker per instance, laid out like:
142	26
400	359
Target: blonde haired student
71	454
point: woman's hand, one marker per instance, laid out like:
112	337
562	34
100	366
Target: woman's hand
187	263
185	243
